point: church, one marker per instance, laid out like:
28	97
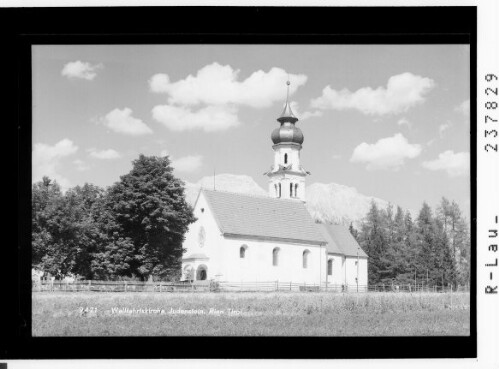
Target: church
249	238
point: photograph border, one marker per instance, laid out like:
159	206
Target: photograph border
242	25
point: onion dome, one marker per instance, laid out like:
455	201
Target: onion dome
287	132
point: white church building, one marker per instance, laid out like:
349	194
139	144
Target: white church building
249	238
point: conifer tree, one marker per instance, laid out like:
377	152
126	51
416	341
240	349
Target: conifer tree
372	239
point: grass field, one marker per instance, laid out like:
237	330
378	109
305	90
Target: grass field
251	313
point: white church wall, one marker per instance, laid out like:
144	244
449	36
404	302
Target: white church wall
257	265
363	272
351	272
212	240
337	277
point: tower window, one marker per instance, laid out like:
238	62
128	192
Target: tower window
305	259
285	158
242	251
275	256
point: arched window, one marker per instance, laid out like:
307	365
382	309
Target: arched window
305	258
242	251
290	190
330	267
275	256
285	158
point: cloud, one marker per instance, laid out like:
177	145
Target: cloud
336	156
164	153
209	119
216	84
402	92
81	70
404	122
104	154
386	153
455	164
121	121
464	108
189	163
47	159
306	114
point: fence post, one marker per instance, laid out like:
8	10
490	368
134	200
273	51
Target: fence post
410	289
277	285
160	284
125	285
290	286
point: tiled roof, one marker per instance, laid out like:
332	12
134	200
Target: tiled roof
341	241
258	216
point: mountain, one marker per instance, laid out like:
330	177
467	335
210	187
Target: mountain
339	204
326	202
224	182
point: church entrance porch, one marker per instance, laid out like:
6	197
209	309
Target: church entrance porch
195	268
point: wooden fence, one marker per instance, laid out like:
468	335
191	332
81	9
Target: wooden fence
119	286
224	286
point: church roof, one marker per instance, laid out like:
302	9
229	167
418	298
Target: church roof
341	241
265	217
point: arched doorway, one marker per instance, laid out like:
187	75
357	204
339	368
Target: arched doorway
202	273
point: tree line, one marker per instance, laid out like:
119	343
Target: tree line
135	229
132	229
433	249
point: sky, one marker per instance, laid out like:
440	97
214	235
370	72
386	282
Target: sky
390	120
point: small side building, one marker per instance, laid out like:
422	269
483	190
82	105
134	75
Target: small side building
346	261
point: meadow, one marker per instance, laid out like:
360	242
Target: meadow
250	314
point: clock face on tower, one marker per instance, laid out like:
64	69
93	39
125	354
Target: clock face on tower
201	236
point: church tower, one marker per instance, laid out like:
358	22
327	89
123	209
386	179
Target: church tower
287	176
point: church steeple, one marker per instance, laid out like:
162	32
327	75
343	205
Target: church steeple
287	114
287	176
